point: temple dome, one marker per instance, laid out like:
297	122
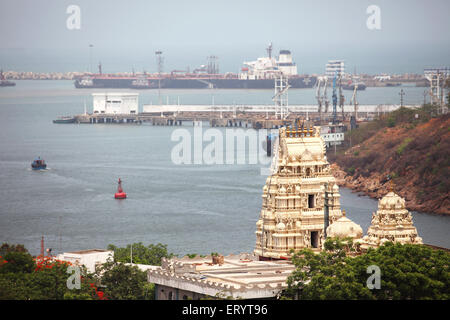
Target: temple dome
344	228
392	201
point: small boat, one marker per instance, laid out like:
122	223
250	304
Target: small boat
120	194
38	164
64	120
351	86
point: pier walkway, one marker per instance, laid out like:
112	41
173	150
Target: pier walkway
249	116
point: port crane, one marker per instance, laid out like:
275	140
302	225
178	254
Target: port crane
322	98
341	98
318	97
281	96
355	103
325	96
334	97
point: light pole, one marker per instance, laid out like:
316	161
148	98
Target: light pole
159	61
402	93
90	57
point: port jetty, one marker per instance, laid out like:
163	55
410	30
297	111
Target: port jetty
247	116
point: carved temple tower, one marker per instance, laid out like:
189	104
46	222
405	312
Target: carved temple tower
293	214
392	222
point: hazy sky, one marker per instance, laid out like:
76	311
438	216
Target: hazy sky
128	32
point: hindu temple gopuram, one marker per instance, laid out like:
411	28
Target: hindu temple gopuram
293	207
294	214
392	222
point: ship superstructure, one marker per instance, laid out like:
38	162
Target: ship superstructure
269	67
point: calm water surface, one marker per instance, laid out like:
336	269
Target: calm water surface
191	208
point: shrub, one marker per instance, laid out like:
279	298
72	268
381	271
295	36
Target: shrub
401	148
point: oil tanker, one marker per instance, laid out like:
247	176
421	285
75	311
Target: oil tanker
258	74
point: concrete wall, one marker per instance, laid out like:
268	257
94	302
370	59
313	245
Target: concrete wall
167	293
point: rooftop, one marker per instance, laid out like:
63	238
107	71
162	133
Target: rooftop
89	251
240	276
115	94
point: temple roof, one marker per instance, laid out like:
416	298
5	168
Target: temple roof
391	201
344	228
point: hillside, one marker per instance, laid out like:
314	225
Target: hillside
409	146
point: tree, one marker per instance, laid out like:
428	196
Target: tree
407	272
123	282
23	277
6	247
325	275
17	262
151	255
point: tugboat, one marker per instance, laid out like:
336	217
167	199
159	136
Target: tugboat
39	164
120	194
64	120
355	82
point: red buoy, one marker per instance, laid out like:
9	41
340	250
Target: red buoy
120	194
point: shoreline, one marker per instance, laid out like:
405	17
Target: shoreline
374	189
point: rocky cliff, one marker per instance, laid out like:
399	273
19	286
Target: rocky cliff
411	148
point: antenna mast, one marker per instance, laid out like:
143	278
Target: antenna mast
159	60
269	50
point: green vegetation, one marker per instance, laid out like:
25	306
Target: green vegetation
151	254
351	171
401	116
24	277
124	282
401	148
407	272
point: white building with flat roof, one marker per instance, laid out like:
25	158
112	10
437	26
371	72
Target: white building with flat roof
335	67
88	258
116	103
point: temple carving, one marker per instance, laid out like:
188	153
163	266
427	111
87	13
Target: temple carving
392	222
294	214
293	201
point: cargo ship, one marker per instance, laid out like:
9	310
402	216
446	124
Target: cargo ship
258	74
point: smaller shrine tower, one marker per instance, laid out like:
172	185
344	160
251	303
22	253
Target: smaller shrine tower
392	222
